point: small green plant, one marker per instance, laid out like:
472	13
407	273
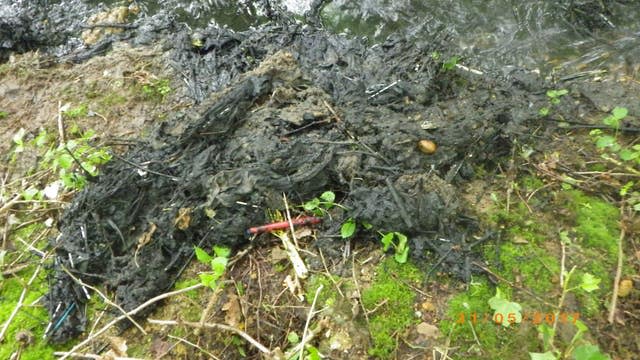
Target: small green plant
218	264
626	157
72	161
578	348
348	228
554	99
451	63
321	205
400	245
3	114
156	90
76	112
506	313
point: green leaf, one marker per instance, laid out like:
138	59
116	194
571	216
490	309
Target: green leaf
605	141
312	204
293	338
64	161
451	63
402	253
18	137
348	228
387	240
624	190
544	111
636	207
619	112
202	255
402	239
367	225
542	356
222	251
313	353
626	154
548	334
508	311
218	266
30	193
208	279
589	282
588	352
328	196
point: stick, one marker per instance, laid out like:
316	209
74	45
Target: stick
130	313
243	334
60	124
306	325
105	298
94	356
616	283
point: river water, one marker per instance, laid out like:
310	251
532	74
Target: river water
548	35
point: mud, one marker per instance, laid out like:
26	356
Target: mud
288	108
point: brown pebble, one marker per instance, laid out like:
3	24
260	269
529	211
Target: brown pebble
427	146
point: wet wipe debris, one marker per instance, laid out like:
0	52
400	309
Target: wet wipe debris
289	108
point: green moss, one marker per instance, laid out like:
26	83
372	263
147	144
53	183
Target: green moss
393	299
327	297
533	265
469	322
32	317
597	222
112	99
193	294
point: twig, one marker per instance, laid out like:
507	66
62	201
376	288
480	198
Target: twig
355	281
616	283
60	124
20	300
93	356
130	313
562	259
243	334
309	317
194	345
9	203
335	283
105	298
286	209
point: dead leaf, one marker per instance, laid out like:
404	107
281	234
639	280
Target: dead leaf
233	312
144	239
183	220
427	330
118	348
159	347
519	240
277	254
625	287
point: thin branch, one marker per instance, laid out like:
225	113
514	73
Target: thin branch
243	334
309	317
616	283
121	317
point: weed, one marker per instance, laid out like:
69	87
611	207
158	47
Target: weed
3	114
554	99
578	346
451	63
401	247
218	265
156	90
81	110
348	228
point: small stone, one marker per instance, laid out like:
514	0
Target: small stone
24	337
429	331
427	146
625	287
